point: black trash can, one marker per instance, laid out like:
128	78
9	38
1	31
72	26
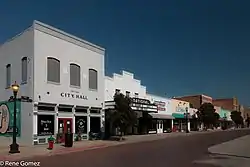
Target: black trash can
68	139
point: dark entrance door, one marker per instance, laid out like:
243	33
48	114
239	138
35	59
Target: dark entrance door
64	126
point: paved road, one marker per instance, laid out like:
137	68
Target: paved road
171	152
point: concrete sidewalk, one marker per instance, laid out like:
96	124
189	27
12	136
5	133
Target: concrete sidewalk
41	150
239	147
234	153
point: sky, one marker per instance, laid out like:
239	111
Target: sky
178	47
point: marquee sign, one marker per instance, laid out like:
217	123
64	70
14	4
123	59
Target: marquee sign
140	101
74	96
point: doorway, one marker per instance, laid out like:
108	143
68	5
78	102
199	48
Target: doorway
64	126
159	126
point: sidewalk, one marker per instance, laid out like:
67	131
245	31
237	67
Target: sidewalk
234	153
41	150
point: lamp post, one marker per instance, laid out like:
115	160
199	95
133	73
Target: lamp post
187	131
14	147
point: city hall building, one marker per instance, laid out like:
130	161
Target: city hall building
63	78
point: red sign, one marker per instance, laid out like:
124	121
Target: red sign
161	106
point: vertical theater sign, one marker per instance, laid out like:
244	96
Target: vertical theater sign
7	118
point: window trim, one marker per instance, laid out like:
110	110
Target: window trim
92	69
6	76
74	86
22	81
52	82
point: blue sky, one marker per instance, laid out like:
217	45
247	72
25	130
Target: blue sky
174	47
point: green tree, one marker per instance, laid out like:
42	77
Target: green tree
216	119
123	116
206	114
237	118
191	105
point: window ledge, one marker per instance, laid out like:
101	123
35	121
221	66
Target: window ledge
74	86
93	90
54	83
23	82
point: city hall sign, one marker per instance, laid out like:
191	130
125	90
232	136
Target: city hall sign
73	96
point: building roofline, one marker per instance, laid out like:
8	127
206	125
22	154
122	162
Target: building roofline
151	94
191	96
66	36
37	25
15	36
223	99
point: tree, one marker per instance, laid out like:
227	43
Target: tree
216	120
123	116
248	121
237	118
206	114
191	105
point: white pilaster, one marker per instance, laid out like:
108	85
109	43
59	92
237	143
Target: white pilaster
88	122
56	120
74	120
189	125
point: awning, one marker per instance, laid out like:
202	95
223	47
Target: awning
161	116
181	116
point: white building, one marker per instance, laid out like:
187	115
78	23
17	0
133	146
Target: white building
126	83
62	74
163	118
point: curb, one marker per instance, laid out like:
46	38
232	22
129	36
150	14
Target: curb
72	150
57	152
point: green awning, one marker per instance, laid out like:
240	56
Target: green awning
178	115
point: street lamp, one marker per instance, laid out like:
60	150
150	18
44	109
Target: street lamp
14	147
187	131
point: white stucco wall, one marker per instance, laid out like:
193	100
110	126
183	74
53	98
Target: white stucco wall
11	52
192	111
124	82
182	105
49	46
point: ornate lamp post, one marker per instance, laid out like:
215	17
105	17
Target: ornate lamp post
187	131
14	147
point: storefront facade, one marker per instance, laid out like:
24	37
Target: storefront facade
225	118
180	108
62	75
162	120
126	84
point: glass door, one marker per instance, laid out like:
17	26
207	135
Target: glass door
64	126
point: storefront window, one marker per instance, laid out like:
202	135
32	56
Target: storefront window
152	125
95	124
81	124
46	125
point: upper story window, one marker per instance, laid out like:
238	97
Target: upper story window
24	69
93	79
53	70
136	95
8	76
75	75
127	93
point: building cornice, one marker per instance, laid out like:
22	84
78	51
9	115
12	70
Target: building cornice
37	25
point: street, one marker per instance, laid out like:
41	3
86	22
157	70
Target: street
171	152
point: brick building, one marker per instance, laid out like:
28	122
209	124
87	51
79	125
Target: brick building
196	100
227	103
